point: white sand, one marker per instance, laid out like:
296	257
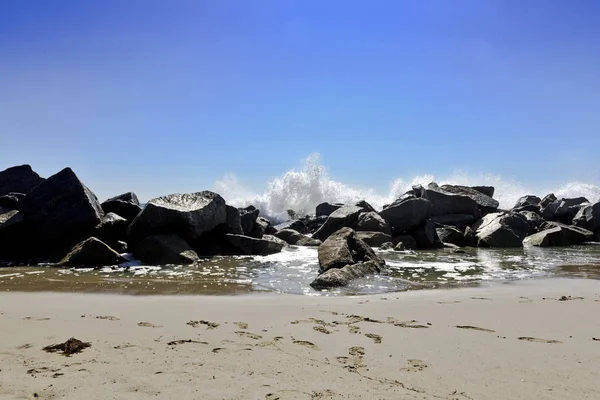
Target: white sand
275	358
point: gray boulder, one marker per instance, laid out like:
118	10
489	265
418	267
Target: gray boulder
534	220
549	198
261	228
373	239
549	210
574	234
484	202
450	234
340	277
528	200
165	249
325	209
296	224
487	190
19	179
535	209
60	211
588	217
443	202
91	253
406	242
406	213
365	206
293	237
248	217
371	221
568	209
501	230
125	205
549	237
246	245
345	216
460	221
111	229
187	215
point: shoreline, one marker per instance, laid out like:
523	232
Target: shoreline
513	340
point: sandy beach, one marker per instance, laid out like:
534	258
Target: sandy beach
520	340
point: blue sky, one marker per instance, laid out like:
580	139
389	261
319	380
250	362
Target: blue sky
168	96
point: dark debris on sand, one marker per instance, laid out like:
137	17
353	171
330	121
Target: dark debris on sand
71	346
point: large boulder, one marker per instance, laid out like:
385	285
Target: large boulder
246	245
568	209
248	217
111	230
297	224
404	242
165	249
340	277
487	190
261	228
19	179
233	221
373	239
550	237
548	210
527	200
325	209
371	221
484	202
125	205
549	198
443	202
293	237
574	234
450	234
91	253
187	215
459	221
365	206
60	211
406	213
501	230
588	217
534	220
345	216
426	236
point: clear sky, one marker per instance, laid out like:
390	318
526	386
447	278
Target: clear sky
168	96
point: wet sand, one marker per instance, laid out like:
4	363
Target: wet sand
525	340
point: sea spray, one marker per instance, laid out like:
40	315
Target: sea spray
303	189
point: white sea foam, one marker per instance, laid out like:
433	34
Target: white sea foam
303	189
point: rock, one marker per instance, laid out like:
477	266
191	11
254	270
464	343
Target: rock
297	225
533	219
325	209
14	240
10	201
19	179
246	245
371	221
443	202
501	230
165	249
550	237
345	216
426	236
535	209
574	234
484	202
120	247
405	214
185	215
339	277
549	198
407	242
470	237
91	253
450	234
60	211
588	217
400	247
248	217
460	221
111	229
365	206
528	200
387	246
487	190
343	248
373	239
261	225
568	209
293	237
125	205
233	221
549	210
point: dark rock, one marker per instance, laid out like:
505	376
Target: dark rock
246	245
528	200
550	237
10	201
487	190
387	246
125	205
340	277
470	237
549	210
501	230
443	203
568	209
450	234
535	209
325	209
460	221
588	217
165	249
248	217
405	214
111	229
261	226
60	211
549	198
187	215
293	237
91	253
343	248
426	236
13	236
484	202
371	221
345	216
408	242
365	206
297	225
534	220
233	222
574	234
20	179
400	247
120	247
373	239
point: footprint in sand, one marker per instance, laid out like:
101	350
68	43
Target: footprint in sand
209	325
124	346
305	343
108	317
289	394
36	319
475	328
353	329
148	325
248	335
415	365
25	346
183	341
356	351
241	325
414	324
538	340
376	338
321	329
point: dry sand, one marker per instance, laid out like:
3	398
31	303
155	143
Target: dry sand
508	341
